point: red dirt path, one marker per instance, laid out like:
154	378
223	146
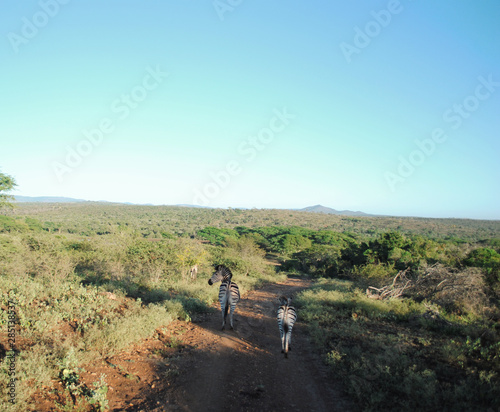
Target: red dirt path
196	367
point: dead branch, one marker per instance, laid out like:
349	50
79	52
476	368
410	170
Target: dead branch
395	290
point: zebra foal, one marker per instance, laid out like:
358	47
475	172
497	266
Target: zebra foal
287	315
229	293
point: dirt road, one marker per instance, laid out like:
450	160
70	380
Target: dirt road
196	367
244	369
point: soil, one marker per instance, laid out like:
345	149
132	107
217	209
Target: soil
197	366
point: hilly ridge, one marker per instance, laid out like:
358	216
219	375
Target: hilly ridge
330	211
60	199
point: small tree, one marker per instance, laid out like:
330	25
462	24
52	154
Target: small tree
7	183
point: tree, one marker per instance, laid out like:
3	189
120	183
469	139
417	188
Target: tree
7	183
189	253
217	236
293	243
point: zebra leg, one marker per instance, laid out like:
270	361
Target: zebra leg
224	316
283	337
288	340
231	317
287	337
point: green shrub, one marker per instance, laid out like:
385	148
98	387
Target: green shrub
319	260
489	260
120	332
217	236
374	274
149	261
289	244
34	368
9	224
33	224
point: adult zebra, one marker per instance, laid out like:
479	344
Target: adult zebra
287	315
229	293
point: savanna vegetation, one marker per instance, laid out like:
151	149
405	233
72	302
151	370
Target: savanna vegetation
408	323
405	311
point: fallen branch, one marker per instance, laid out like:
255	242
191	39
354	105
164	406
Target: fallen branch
390	291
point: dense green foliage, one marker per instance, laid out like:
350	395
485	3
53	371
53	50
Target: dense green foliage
489	260
217	236
90	218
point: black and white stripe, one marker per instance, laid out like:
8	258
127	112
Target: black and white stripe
287	315
229	293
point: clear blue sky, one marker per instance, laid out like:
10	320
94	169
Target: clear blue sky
391	107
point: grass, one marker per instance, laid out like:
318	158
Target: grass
390	357
77	320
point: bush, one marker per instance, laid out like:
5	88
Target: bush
9	224
319	261
289	244
33	224
120	332
246	246
373	274
39	255
148	261
489	260
461	291
217	236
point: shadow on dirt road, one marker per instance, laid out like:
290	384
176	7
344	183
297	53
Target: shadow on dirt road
244	369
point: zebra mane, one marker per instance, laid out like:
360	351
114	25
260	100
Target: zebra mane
285	300
226	273
222	274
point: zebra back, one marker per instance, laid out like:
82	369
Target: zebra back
287	315
229	293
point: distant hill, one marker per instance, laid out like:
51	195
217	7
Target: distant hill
47	199
330	211
197	206
60	199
